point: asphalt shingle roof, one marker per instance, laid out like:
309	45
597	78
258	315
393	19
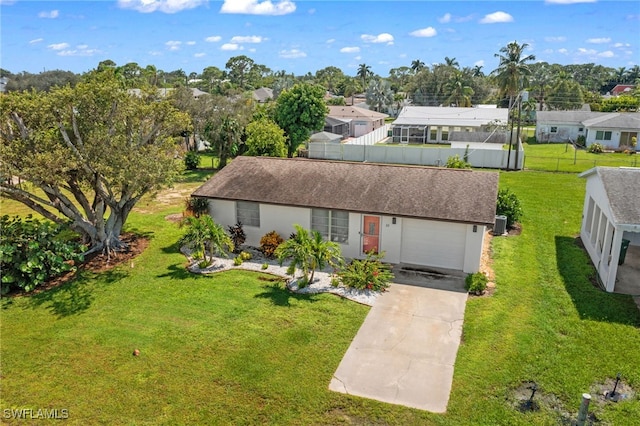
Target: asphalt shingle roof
622	185
420	192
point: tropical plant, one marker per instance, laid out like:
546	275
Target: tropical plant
595	148
191	160
33	251
476	283
367	274
265	138
455	162
196	206
237	234
270	242
379	94
364	72
509	205
308	251
513	71
458	90
204	235
417	65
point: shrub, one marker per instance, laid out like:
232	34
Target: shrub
370	273
196	206
203	264
509	206
191	160
270	242
265	266
33	251
581	140
456	162
237	235
595	148
237	260
245	256
476	283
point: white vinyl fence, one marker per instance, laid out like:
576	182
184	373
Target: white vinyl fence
415	155
371	138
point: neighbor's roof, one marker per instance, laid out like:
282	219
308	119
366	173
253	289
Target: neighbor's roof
422	192
616	120
588	118
450	116
262	94
325	137
340	111
622	185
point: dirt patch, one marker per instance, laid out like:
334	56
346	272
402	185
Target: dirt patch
167	197
97	262
516	229
176	217
486	264
603	394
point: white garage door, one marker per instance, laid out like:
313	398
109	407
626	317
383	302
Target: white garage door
438	244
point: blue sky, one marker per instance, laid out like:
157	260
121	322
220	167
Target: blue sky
305	36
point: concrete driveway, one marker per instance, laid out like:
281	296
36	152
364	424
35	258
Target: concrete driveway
405	350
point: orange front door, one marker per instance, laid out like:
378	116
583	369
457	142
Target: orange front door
370	234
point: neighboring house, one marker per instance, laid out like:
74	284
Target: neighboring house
423	124
430	217
3	84
337	126
164	92
325	137
611	214
622	89
610	129
262	95
361	121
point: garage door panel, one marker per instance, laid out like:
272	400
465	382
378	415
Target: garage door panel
429	243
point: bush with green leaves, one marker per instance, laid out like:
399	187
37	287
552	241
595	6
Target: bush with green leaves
595	148
456	162
191	160
581	140
197	206
237	261
367	274
270	242
33	251
476	283
509	206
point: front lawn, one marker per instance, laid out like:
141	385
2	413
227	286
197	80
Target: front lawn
231	348
559	157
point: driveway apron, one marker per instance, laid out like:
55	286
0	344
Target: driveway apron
405	350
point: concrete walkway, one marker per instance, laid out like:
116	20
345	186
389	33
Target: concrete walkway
406	348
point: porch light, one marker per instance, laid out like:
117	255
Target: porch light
393	220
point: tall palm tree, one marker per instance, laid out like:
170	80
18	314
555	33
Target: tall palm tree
513	71
459	91
417	66
364	72
451	62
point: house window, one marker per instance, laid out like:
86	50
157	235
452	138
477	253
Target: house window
581	129
554	129
331	224
433	133
445	133
248	213
602	135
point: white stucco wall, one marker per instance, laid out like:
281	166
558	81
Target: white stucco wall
391	238
473	248
564	132
613	143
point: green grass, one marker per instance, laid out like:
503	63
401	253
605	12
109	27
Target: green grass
564	158
230	348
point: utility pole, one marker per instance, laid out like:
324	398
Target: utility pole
524	96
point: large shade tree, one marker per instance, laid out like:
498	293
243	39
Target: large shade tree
86	155
513	70
300	111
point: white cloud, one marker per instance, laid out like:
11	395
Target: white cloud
36	40
292	54
190	43
83	46
568	1
563	51
58	46
555	39
606	54
496	18
173	45
380	38
583	51
247	39
331	40
155	53
256	7
424	32
479	63
357	58
79	52
350	49
199	55
446	18
213	39
165	6
49	15
619	45
311	11
599	40
231	46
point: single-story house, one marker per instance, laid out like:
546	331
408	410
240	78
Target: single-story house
262	95
622	89
610	129
361	121
424	124
165	92
425	216
611	217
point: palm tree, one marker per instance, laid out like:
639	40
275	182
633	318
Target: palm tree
451	62
621	75
417	66
351	87
379	94
513	71
308	251
364	72
202	233
459	92
477	71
